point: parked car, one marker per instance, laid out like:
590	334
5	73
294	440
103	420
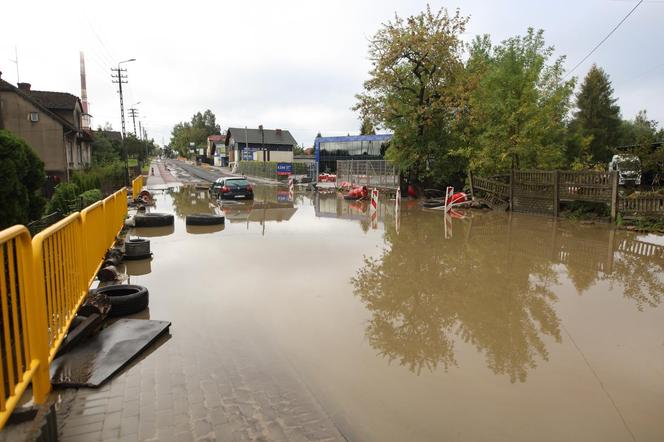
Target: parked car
628	168
232	188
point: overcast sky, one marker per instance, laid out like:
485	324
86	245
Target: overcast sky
293	65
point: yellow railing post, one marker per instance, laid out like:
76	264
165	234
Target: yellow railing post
136	186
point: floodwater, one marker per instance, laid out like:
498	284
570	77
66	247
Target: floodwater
487	326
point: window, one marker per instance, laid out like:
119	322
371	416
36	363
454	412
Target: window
235	182
34	117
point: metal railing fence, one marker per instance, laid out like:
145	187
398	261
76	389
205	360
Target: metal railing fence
43	280
136	186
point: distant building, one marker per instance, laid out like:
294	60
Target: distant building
274	145
327	150
50	122
216	150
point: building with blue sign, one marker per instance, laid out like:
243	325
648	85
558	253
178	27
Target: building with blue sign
328	150
244	144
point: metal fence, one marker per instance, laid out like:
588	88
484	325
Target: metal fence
22	324
43	280
268	169
372	173
136	186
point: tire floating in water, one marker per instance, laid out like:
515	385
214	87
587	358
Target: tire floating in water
153	219
137	248
125	299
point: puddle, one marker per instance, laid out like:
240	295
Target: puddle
482	326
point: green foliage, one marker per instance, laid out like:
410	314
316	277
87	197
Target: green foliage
65	199
109	177
90	197
414	90
585	210
597	119
367	127
640	134
518	105
21	181
105	150
86	180
201	126
136	147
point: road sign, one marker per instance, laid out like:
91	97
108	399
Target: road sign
284	168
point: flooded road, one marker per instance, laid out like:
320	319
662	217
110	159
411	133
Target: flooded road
306	320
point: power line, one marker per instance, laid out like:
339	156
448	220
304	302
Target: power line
604	39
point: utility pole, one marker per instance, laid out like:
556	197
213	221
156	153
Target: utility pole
133	113
120	77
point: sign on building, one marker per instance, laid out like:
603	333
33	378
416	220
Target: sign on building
284	168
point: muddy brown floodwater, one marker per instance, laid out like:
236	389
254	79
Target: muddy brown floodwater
306	321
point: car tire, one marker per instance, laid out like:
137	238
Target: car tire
137	248
126	299
153	219
205	219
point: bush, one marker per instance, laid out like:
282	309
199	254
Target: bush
86	180
65	199
90	197
21	181
109	177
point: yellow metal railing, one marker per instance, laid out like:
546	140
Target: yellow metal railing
23	325
136	186
42	283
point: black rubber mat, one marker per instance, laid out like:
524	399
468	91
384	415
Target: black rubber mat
94	361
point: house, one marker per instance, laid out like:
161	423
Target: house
216	150
275	145
50	122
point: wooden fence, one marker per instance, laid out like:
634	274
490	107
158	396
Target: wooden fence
541	191
642	205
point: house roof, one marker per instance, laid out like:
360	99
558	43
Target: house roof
6	86
55	100
272	136
214	138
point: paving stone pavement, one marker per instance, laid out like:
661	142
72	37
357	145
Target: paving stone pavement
198	390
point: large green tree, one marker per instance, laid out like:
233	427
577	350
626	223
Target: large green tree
413	90
195	131
597	117
104	149
21	181
517	105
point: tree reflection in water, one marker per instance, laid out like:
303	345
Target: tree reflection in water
488	285
188	200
